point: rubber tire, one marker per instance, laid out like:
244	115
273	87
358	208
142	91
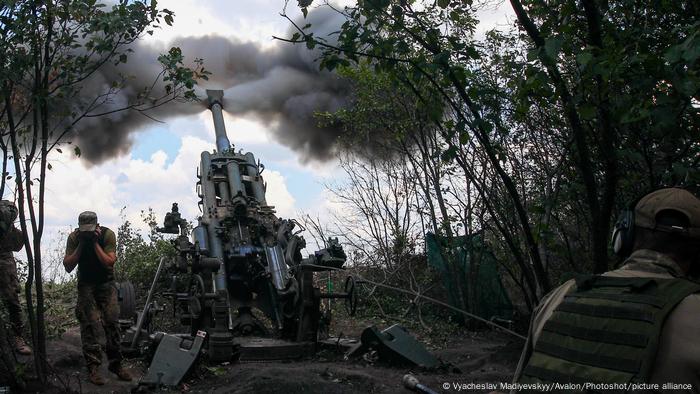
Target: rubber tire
126	295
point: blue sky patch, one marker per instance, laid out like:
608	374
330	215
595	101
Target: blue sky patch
153	139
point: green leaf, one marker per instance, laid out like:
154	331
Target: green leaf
443	3
77	151
692	52
216	371
122	58
449	154
168	19
310	43
48	165
305	11
583	59
442	58
533	54
587	111
552	46
673	54
460	74
634	116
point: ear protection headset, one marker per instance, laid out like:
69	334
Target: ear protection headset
623	232
622	238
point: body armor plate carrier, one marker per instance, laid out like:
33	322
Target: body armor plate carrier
607	331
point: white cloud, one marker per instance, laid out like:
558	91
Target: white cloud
191	19
72	188
278	195
499	16
134	183
138	185
247	20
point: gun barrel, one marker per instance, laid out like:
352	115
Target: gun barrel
215	105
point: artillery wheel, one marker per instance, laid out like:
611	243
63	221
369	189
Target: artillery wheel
197	311
309	306
126	296
351	298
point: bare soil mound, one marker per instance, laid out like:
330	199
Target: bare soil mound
472	358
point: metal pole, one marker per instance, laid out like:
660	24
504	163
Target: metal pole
433	300
142	316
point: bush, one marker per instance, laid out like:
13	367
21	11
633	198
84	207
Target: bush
138	258
60	300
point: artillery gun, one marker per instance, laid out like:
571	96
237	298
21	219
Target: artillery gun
240	258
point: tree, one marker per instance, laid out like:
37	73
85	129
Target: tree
449	196
410	45
139	258
49	50
544	119
624	77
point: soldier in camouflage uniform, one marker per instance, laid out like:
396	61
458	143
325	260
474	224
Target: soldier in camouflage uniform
11	240
92	248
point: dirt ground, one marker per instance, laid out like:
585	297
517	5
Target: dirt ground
485	357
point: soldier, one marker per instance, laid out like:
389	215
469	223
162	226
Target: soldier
11	240
635	325
92	248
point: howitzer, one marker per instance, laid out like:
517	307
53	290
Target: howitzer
242	258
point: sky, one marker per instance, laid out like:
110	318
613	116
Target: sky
161	166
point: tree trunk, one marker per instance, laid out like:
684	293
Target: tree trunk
23	225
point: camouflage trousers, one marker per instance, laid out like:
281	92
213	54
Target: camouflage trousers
9	292
97	310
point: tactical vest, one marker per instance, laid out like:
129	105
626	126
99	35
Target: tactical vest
90	268
607	331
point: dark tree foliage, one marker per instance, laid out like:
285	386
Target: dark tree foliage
555	124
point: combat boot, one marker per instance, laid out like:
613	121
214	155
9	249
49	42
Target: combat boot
94	375
21	346
118	370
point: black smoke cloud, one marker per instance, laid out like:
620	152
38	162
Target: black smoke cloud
279	85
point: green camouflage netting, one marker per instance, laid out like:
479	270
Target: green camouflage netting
476	276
